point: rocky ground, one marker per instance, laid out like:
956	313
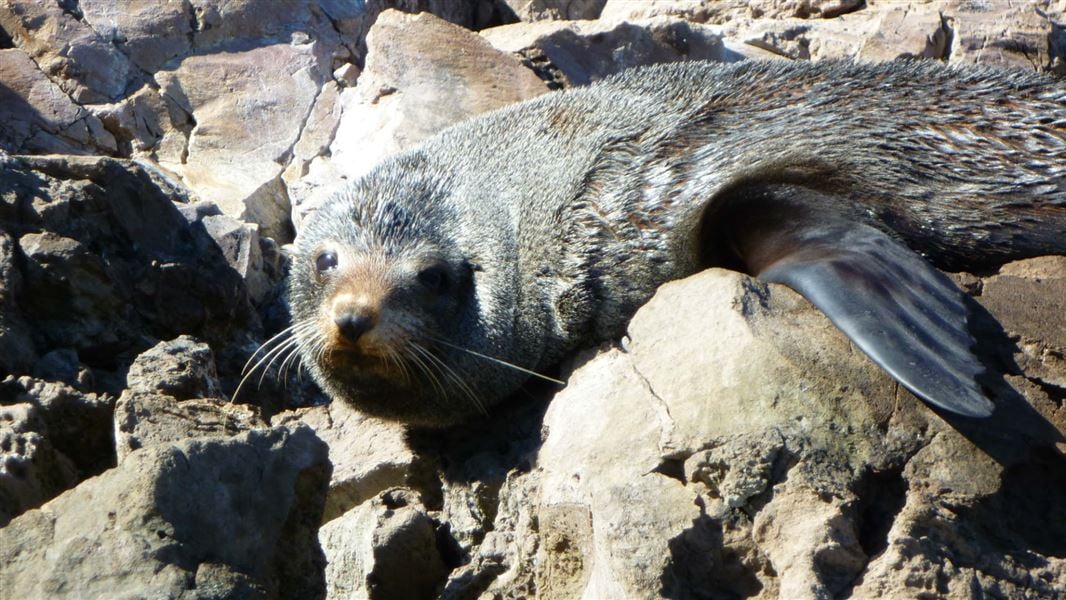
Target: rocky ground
155	160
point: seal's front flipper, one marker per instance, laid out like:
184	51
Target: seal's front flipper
901	311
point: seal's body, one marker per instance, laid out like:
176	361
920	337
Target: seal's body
523	234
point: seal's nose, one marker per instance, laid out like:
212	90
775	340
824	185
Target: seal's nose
353	325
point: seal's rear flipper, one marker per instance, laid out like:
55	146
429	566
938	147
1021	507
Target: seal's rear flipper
901	311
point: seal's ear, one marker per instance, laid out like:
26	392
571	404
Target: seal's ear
897	308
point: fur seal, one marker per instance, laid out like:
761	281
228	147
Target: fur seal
521	235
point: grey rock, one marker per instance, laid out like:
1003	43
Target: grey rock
31	470
76	423
203	518
386	548
183	368
85	65
144	419
37	116
582	51
17	353
368	455
59	365
536	10
109	262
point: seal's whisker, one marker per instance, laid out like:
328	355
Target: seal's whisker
290	330
497	361
434	380
451	375
267	358
281	350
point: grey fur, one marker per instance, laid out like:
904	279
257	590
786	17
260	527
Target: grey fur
568	211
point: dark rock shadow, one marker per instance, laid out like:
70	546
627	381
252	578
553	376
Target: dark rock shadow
1015	428
702	566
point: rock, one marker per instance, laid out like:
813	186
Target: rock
85	65
183	368
204	518
36	116
150	34
1025	35
364	465
31	470
59	365
422	74
1029	297
17	354
75	423
757	470
536	10
583	52
245	130
727	11
144	419
108	262
72	285
383	549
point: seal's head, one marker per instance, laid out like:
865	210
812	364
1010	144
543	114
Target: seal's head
386	307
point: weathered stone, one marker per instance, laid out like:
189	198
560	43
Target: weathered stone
85	65
1029	297
369	456
76	423
1007	34
17	353
70	285
144	419
586	51
726	11
245	130
163	276
31	470
36	116
183	368
210	517
756	469
422	74
150	33
536	10
385	548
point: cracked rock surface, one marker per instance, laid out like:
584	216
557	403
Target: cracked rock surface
157	157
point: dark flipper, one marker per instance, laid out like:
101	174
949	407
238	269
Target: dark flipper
901	311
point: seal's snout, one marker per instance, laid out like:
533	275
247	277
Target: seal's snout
352	326
354	317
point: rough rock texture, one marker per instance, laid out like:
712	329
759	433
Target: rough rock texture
156	441
204	518
422	74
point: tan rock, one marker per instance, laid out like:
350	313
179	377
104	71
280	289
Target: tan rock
422	74
369	456
74	56
537	10
249	108
758	454
1022	34
143	420
584	51
229	517
37	117
151	33
724	11
385	548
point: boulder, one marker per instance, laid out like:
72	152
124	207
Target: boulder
204	518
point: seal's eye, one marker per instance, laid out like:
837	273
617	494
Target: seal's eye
435	279
325	261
